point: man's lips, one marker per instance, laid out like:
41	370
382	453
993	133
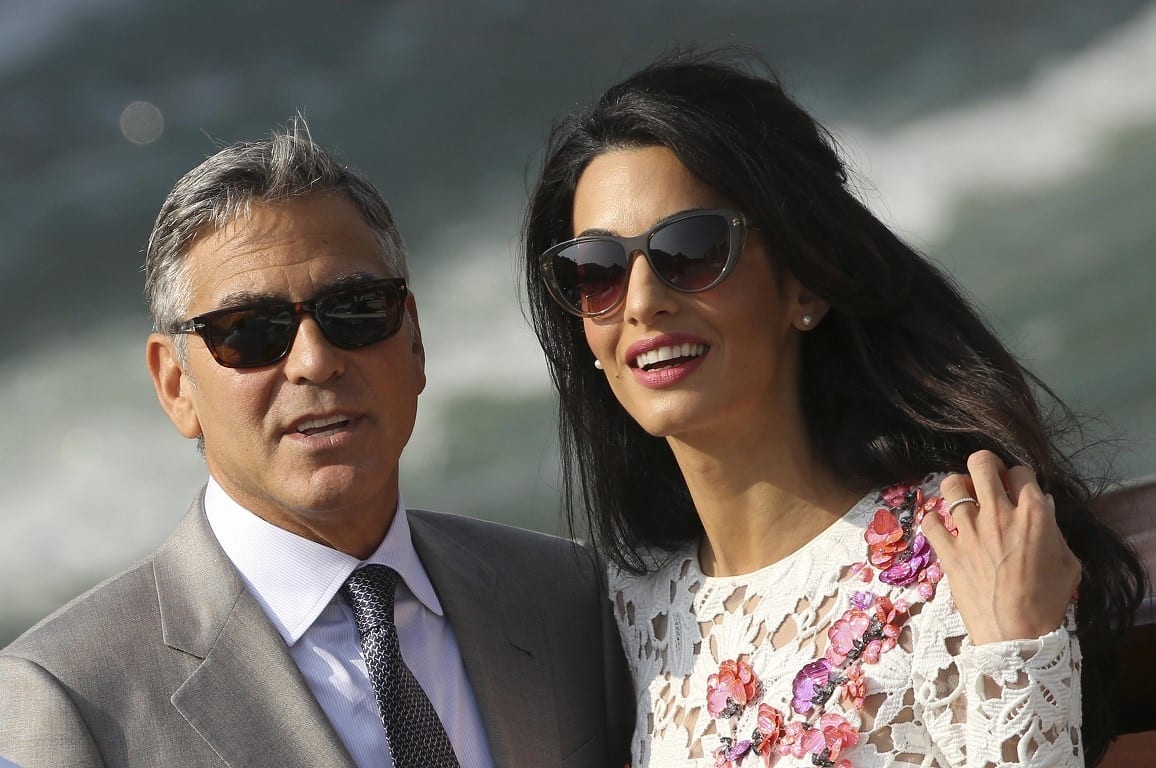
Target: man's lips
322	425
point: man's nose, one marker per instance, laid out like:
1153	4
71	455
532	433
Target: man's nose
312	357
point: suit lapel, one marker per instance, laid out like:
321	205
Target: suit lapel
503	646
247	698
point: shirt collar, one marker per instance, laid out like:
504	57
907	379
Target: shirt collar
294	578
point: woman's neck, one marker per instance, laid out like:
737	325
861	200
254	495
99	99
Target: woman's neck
759	498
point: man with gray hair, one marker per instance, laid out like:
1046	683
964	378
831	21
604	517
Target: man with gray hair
301	615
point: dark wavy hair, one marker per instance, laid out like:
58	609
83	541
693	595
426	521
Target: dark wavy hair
901	378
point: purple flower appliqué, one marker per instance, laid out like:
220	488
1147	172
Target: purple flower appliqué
906	572
863	600
812	686
730	753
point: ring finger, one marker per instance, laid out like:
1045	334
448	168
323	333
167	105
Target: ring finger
960	499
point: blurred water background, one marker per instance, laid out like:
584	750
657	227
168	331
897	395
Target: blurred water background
1015	143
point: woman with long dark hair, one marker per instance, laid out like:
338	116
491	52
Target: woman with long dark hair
841	530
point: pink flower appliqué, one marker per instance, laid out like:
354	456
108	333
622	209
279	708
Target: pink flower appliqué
837	735
931	576
862	572
885	540
854	688
729	691
865	631
768	732
845	634
890	617
825	742
794	739
900	495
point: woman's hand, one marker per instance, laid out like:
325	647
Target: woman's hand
1012	575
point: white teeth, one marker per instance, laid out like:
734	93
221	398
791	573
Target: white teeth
665	354
316	426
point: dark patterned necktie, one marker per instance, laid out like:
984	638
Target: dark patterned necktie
416	736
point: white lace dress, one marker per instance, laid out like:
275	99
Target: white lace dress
933	699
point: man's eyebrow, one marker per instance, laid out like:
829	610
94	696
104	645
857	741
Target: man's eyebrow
235	299
243	298
351	280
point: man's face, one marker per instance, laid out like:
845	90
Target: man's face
310	443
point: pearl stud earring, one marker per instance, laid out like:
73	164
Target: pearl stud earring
598	364
806	321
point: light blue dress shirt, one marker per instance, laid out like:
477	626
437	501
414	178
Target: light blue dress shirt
297	581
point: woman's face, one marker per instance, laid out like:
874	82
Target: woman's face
731	353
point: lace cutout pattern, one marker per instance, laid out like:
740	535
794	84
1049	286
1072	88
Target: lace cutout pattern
933	700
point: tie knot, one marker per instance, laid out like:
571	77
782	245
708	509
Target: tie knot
369	590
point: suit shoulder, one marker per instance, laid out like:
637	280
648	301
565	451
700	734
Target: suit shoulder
500	541
115	607
452	524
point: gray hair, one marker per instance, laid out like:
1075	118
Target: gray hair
286	165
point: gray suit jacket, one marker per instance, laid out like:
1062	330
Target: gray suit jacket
173	662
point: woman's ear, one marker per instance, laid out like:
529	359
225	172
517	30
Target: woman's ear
810	309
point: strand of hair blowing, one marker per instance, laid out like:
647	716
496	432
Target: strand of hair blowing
901	378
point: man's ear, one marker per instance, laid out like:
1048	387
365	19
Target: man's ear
415	342
172	384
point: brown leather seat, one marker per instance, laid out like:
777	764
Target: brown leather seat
1131	511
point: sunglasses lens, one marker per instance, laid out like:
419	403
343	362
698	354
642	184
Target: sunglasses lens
690	254
361	316
250	336
253	336
589	275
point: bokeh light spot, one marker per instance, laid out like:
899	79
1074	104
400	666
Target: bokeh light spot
142	122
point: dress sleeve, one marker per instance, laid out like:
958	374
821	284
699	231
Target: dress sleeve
1013	704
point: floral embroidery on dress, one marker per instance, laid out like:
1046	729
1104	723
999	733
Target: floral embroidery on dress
932	699
869	628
